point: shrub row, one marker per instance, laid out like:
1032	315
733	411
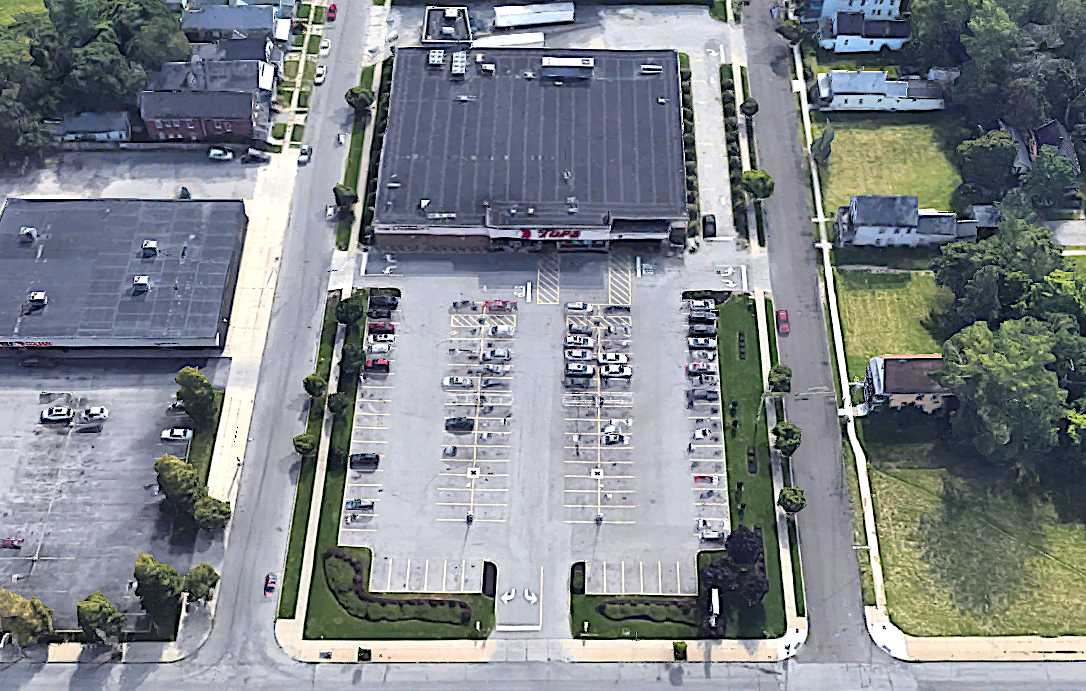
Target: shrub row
379	127
690	155
735	164
346	578
659	611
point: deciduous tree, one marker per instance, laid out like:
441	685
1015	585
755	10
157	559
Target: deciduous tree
1050	175
158	586
315	385
338	403
345	196
305	444
791	31
986	162
744	546
791	499
98	617
200	583
27	621
780	378
749	107
180	483
350	311
788	438
211	513
197	394
758	183
359	98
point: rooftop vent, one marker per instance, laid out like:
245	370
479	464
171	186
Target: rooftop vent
447	31
487	67
393	185
28	235
141	284
38	299
652	69
423	203
531	211
446	216
661	100
460	62
437	58
450	13
150	248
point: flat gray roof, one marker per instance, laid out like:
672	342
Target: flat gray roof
89	250
515	138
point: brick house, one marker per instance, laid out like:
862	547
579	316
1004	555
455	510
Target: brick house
200	115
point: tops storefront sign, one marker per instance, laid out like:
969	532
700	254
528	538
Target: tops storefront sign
549	234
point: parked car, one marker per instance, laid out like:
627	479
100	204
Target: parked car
497	355
613	359
386	301
382	328
12	543
93	414
57	413
457	382
331	16
491	383
577	382
706	379
219	153
615	309
175	408
358	505
578	308
269	584
578	354
701	318
578	341
497	369
305	154
364	461
254	156
176	434
501	331
331	212
702	305
700	368
708	226
701	343
500	306
710	395
701	330
615	439
703	432
379	348
463	305
616	371
325	47
379	365
318	77
782	321
384	339
578	369
582	329
459	424
379	313
449	452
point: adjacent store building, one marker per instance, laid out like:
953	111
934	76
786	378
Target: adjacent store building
496	147
78	273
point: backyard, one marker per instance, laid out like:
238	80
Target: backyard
885	312
966	549
889	154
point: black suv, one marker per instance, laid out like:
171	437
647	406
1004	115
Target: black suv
491	383
702	330
379	313
459	424
710	395
577	382
386	301
708	226
582	329
702	318
364	461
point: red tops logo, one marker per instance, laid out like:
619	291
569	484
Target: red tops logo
550	234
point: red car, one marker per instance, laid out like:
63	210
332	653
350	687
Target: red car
500	306
700	368
782	321
269	584
331	16
382	328
379	365
12	543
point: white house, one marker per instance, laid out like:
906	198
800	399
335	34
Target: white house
891	220
871	9
872	90
852	32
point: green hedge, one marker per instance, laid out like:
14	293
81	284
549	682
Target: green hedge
658	611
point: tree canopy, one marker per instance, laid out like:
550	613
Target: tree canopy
791	499
158	586
211	513
788	438
197	394
27	621
780	378
758	183
315	385
200	583
98	617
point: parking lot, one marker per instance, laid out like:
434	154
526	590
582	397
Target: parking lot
85	499
550	469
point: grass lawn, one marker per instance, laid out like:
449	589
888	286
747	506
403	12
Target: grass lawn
1076	264
719	10
10	8
313	45
303	99
290	69
309	72
304	11
288	600
354	160
888	155
297	133
966	550
279	130
319	14
884	313
741	381
203	442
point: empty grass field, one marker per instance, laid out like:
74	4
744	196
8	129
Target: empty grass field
876	155
10	8
966	551
885	313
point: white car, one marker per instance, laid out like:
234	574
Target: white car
701	343
577	369
326	45
57	413
382	338
613	359
95	414
176	434
330	212
457	382
497	355
702	305
318	78
578	354
218	153
580	342
616	371
501	331
703	432
305	154
578	308
379	348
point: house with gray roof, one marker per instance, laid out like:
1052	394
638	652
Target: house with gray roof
1030	141
852	32
874	90
203	75
111	126
215	22
892	220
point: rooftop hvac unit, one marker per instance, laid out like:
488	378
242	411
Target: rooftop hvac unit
450	13
552	61
141	284
28	234
437	57
460	62
38	299
150	248
448	31
487	67
652	69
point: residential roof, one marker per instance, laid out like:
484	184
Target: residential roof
850	23
909	374
1053	133
205	75
240	18
112	121
922	88
254	48
937	224
886	28
89	250
225	105
891	210
987	215
482	146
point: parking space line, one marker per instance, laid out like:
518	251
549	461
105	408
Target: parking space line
368	441
362	412
596	463
476	520
363	427
358	530
593	506
625	491
466	489
374	387
548	279
606	477
641	573
465	503
610	522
